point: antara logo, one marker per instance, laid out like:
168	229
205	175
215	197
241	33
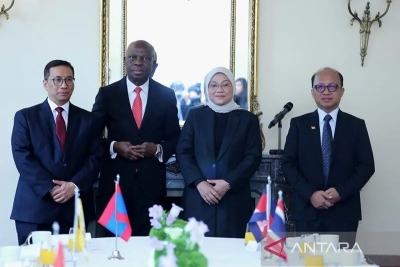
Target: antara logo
324	247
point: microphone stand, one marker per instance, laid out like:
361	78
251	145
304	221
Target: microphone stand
278	151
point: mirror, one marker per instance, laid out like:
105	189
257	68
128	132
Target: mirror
221	33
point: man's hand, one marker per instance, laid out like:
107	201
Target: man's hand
146	149
321	200
125	149
52	190
221	186
63	191
335	197
208	193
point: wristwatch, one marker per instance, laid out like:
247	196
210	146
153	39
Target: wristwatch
158	152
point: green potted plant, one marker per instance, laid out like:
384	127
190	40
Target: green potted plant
175	242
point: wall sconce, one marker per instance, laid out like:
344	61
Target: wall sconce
3	10
365	26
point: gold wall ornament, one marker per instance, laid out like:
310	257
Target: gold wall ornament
365	26
4	10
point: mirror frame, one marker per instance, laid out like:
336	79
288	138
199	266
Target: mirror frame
253	103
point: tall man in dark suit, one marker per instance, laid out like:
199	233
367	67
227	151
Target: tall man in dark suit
327	160
143	129
56	148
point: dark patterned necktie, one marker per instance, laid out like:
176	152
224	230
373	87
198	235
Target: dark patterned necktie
61	129
326	147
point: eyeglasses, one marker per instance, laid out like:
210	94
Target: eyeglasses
320	88
214	86
133	58
59	81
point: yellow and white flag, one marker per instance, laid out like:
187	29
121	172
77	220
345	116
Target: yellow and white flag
79	243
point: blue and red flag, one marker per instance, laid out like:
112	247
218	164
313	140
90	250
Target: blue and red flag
277	234
117	214
258	224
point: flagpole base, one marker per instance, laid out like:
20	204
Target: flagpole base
115	255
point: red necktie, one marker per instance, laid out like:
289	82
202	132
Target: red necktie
61	129
137	107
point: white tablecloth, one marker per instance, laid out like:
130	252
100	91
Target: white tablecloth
220	252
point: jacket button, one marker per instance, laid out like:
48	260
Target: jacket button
213	165
64	164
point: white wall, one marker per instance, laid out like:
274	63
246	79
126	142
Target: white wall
296	38
37	32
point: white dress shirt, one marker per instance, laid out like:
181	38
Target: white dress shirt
332	122
144	93
64	113
53	107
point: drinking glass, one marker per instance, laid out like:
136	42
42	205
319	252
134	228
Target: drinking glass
307	244
79	243
313	260
47	254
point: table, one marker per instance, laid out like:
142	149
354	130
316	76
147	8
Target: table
220	252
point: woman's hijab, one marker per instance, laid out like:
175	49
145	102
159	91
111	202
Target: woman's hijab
231	105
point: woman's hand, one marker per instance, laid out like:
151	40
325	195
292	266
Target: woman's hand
208	193
221	186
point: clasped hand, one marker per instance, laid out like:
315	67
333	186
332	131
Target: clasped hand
325	199
62	191
131	152
212	191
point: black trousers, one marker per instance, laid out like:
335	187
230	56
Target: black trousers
347	230
138	213
25	228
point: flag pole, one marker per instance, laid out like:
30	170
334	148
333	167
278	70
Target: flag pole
75	226
269	199
267	254
116	255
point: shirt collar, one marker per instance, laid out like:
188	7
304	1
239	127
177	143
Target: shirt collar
53	105
131	86
322	114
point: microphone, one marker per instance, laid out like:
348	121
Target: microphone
278	117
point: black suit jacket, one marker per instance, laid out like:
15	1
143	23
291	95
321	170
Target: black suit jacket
160	125
238	159
39	159
352	165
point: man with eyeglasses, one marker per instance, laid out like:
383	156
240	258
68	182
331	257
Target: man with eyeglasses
56	148
327	160
141	118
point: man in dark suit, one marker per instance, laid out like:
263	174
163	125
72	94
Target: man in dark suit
327	160
143	130
56	148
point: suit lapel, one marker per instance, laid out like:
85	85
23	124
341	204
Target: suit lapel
233	122
73	120
151	103
315	136
48	119
341	123
209	130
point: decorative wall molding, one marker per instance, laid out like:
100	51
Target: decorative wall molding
4	10
365	26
